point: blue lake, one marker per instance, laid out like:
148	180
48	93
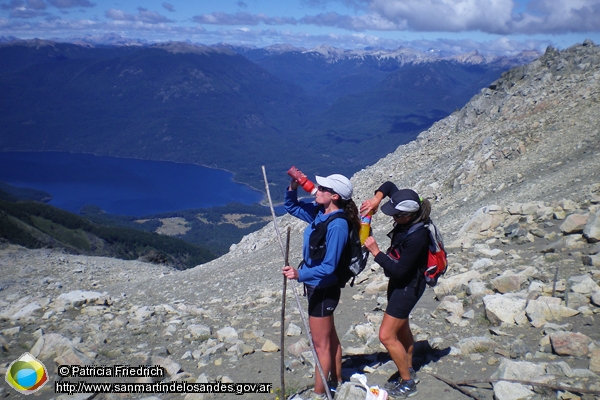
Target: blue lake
122	186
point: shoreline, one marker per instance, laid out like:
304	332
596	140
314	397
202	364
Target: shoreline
263	201
136	158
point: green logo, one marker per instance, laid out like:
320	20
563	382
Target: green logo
27	374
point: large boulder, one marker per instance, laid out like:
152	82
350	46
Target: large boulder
504	308
22	308
592	228
544	309
595	361
507	283
519	371
574	223
512	391
198	331
486	250
77	298
481	225
476	345
167	363
584	284
227	334
592	260
60	349
446	286
595	298
570	343
26	311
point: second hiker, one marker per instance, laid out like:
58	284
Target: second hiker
402	264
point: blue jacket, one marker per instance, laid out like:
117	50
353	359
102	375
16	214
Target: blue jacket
318	273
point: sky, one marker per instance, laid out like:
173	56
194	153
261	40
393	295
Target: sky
501	27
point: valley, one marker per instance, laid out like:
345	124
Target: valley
326	111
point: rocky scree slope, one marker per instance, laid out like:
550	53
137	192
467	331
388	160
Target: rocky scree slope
513	178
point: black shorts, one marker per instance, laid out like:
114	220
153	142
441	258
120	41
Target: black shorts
322	302
401	300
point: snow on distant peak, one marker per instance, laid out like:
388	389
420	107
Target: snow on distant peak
403	55
186	47
474	57
328	52
107	39
282	48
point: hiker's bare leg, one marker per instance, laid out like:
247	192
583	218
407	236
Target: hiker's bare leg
394	334
322	330
405	337
336	355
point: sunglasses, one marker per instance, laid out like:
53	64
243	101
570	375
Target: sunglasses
401	214
325	189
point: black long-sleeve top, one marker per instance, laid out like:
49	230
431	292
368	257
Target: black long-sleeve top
413	250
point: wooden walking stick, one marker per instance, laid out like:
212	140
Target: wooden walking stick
283	294
295	291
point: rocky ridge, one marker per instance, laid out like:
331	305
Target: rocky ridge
513	178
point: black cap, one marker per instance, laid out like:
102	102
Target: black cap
404	200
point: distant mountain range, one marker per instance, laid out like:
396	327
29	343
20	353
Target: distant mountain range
325	110
332	72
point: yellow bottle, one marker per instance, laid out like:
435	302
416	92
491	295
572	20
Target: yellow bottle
365	227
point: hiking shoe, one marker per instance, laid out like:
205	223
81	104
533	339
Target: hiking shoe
334	386
389	385
315	396
393	383
413	375
404	389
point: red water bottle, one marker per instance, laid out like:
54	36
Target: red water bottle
302	180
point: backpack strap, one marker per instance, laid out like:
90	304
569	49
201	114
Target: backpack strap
331	218
317	244
397	241
415	228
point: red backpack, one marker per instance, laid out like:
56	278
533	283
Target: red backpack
437	259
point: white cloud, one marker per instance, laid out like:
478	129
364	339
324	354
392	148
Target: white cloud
491	16
71	3
50	28
502	46
265	37
557	16
36	4
352	23
377	23
241	18
29	9
24	12
446	15
143	15
128	26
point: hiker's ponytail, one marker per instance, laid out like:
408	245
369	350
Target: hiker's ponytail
349	207
424	212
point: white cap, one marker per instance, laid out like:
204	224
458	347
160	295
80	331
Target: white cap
338	183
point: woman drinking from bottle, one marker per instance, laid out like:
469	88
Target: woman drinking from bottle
334	195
